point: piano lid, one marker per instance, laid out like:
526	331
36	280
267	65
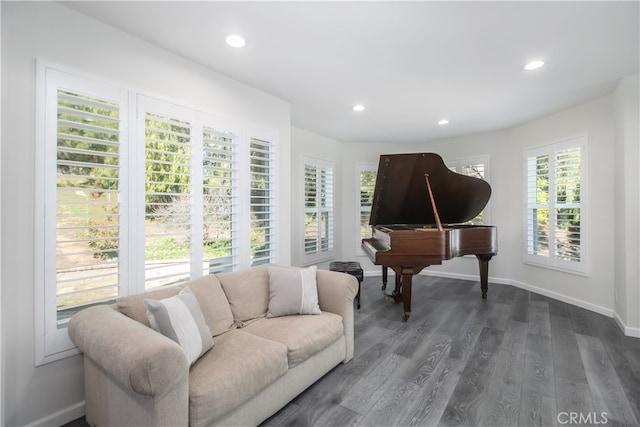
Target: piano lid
401	195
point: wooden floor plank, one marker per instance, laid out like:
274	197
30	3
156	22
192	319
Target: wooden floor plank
539	321
538	368
573	397
465	406
567	361
502	406
537	410
606	388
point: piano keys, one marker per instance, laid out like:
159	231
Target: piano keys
414	194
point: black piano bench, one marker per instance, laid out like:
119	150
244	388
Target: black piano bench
350	267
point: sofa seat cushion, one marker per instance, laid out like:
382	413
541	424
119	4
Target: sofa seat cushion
303	335
238	367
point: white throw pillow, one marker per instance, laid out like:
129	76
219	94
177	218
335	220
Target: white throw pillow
292	291
180	318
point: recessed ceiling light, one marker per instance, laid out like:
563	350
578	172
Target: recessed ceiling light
358	107
235	40
443	122
533	65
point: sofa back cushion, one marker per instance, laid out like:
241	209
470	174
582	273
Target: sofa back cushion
247	292
208	291
133	305
213	303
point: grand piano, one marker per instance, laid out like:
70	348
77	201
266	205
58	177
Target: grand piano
418	218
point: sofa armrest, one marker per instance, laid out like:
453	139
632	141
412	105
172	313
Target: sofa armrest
134	355
336	292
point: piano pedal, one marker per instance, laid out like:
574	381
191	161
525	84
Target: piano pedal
395	297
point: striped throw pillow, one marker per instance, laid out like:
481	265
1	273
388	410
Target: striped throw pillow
181	319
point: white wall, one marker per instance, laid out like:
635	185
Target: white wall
52	393
596	120
626	220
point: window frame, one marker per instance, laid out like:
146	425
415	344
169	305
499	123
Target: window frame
551	261
52	341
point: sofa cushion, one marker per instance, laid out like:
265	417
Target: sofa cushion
179	317
207	289
213	303
292	291
133	305
237	368
303	335
247	292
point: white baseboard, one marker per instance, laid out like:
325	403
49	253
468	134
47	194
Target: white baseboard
628	331
61	417
564	298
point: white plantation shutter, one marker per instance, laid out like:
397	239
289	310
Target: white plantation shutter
555	224
220	200
568	206
538	205
318	210
168	214
87	199
310	209
82	132
367	180
262	186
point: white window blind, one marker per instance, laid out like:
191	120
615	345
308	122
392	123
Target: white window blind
168	215
87	201
319	214
554	222
220	201
82	128
262	203
367	183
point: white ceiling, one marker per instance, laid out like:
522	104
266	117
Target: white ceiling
409	63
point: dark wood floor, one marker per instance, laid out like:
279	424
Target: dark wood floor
517	358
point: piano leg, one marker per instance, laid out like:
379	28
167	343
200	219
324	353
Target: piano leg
406	295
483	261
385	275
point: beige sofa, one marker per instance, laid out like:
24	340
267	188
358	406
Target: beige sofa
137	376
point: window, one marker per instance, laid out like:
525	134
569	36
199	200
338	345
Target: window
220	216
318	209
262	205
477	167
126	204
555	196
366	185
80	199
168	207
